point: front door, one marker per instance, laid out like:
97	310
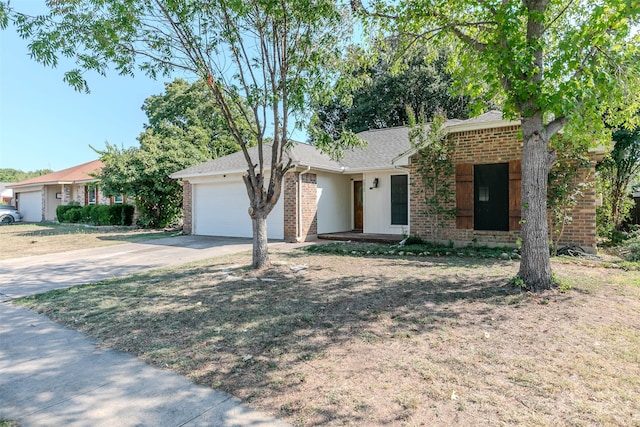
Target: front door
491	197
357	206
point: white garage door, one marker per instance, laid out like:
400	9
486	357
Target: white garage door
30	206
221	209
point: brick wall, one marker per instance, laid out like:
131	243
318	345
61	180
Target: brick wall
187	211
582	230
488	146
308	204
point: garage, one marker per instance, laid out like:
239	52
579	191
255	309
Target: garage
30	205
220	209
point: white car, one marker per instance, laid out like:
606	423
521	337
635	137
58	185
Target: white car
9	215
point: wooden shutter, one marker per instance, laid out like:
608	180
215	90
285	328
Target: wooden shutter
515	194
464	196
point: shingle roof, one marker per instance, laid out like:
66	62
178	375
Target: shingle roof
80	173
383	146
299	153
488	117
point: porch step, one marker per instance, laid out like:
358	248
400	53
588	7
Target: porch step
362	237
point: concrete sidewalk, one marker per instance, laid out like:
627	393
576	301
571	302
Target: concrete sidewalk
53	376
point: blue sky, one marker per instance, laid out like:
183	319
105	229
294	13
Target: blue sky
44	123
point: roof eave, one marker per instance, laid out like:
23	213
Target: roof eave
317	166
191	175
463	127
26	186
370	169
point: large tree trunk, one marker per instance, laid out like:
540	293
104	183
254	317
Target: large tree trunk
260	241
535	267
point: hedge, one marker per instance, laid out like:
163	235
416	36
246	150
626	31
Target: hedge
96	214
63	209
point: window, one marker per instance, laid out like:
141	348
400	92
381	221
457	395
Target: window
399	200
91	195
118	199
491	197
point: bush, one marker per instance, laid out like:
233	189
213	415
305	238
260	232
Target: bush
73	215
62	210
123	214
631	248
86	213
100	215
633	254
96	214
414	240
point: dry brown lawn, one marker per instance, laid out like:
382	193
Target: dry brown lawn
382	341
20	240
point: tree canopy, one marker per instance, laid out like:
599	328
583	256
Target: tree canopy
418	80
184	128
187	111
553	64
272	56
15	175
616	175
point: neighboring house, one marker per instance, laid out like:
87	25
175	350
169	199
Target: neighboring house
6	194
37	198
376	190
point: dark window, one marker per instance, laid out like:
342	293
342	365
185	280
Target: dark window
399	200
491	197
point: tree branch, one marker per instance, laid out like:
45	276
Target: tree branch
476	44
555	125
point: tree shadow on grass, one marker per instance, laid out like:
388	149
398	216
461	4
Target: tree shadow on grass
228	327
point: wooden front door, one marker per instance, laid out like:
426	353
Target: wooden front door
357	206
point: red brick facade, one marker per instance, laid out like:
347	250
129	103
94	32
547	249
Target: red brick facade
187	210
308	206
582	230
491	146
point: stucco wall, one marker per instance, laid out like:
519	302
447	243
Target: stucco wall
377	204
334	203
51	202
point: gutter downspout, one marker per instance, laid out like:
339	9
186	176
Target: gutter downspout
299	233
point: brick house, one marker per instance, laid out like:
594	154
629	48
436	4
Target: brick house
37	198
377	190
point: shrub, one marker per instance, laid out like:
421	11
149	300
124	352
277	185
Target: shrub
631	248
62	210
96	214
123	214
101	215
86	213
72	215
414	240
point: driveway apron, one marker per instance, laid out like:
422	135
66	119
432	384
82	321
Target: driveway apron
53	376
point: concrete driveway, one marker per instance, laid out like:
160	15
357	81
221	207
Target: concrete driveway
54	376
21	277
